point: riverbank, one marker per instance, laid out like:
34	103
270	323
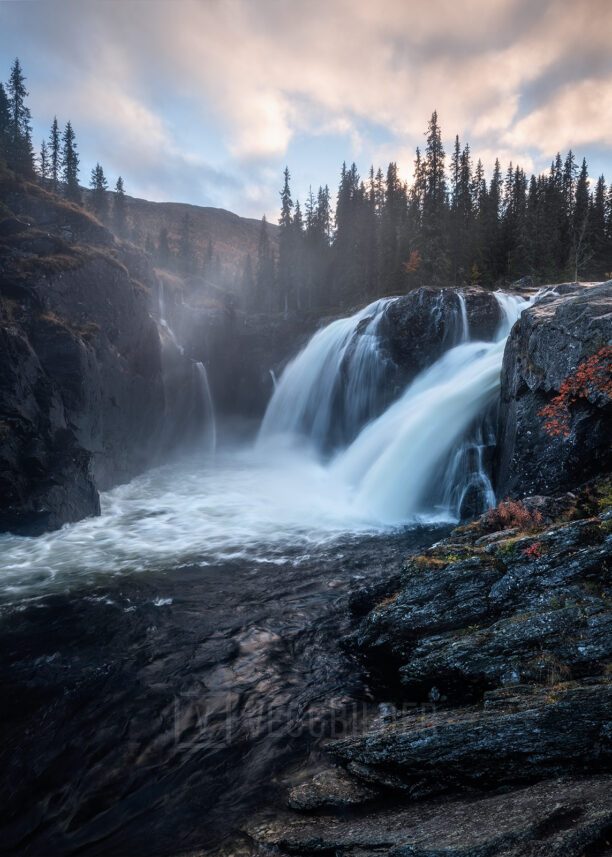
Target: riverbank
490	654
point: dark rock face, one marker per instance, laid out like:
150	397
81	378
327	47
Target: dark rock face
506	635
423	324
82	399
243	353
531	736
556	818
333	788
546	346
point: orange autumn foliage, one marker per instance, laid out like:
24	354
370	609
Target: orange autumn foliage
513	513
413	263
594	375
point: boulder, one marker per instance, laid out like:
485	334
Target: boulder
547	344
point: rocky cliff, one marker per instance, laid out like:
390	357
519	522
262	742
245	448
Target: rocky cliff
549	345
490	654
82	400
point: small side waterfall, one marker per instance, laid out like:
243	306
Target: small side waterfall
189	401
210	426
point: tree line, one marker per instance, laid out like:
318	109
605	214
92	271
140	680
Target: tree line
57	165
450	226
57	168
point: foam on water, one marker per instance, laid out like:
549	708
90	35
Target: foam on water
281	498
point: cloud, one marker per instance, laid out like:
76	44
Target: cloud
229	87
579	114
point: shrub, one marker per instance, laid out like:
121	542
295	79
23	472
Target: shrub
593	376
513	514
534	551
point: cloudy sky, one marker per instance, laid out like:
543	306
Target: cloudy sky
205	101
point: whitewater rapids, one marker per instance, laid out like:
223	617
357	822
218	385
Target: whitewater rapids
290	494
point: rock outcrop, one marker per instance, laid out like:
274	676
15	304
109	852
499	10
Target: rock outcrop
423	324
547	345
494	649
82	400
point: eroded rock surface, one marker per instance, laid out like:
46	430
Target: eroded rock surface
495	647
82	397
547	345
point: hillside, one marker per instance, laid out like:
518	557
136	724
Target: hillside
232	237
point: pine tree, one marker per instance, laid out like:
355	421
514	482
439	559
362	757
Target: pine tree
43	163
285	246
54	154
99	186
434	249
70	165
5	121
20	153
119	207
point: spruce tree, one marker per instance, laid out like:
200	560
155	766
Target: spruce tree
54	154
285	246
43	161
597	229
70	164
434	249
20	153
119	207
99	186
5	122
581	251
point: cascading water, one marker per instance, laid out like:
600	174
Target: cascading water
424	455
209	407
184	406
335	385
394	463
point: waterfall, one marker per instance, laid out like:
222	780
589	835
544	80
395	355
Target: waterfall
186	405
465	324
335	385
210	426
394	464
424	454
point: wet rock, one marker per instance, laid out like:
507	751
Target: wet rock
541	646
430	601
546	345
421	325
556	818
547	733
82	397
332	788
533	604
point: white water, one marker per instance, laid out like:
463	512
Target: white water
311	400
267	507
394	464
281	498
210	427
